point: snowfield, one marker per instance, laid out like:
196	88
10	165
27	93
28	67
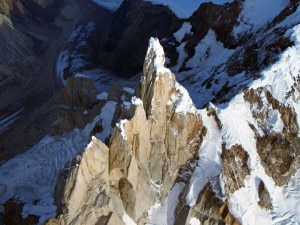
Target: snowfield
32	176
236	116
210	58
265	11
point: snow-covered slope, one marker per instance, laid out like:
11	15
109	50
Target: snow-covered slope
240	125
265	11
245	84
32	176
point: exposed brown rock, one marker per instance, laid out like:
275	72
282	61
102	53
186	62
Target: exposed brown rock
145	151
79	92
264	196
279	155
279	152
127	194
209	209
78	103
52	221
236	166
252	96
288	115
226	216
83	193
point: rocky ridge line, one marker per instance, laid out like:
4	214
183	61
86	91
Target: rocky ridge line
157	135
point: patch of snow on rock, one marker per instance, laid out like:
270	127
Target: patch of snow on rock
164	214
183	102
106	116
127	219
194	221
159	58
120	125
136	101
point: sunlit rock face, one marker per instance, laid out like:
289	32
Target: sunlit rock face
168	161
234	160
159	132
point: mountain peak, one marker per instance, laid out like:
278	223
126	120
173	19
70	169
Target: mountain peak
137	150
156	52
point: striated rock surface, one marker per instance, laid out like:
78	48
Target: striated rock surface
279	152
157	135
167	162
83	192
236	167
236	161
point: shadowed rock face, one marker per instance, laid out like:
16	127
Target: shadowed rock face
264	196
155	147
83	45
39	9
220	18
132	26
32	33
12	214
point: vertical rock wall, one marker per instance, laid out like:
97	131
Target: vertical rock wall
154	139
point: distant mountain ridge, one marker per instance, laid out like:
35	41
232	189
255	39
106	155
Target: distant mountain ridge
208	134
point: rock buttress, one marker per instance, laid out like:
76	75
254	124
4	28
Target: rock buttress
159	133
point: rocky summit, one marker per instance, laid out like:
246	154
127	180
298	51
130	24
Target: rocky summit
149	112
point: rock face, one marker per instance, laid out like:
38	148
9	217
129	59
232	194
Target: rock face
81	49
157	135
132	26
279	152
83	192
236	167
29	30
31	35
78	98
161	160
163	151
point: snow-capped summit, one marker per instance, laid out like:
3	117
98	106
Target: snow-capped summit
169	112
